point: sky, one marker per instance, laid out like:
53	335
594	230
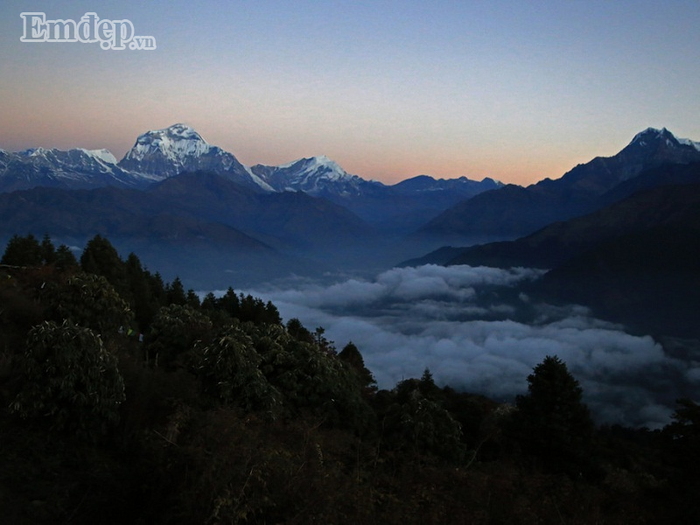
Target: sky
516	91
478	333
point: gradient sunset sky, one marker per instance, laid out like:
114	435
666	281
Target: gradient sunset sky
513	90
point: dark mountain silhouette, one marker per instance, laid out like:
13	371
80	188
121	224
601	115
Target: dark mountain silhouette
310	215
634	262
405	206
554	244
514	211
288	219
648	280
159	155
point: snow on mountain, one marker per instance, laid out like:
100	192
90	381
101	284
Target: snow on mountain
649	135
653	147
159	154
103	155
79	159
176	143
69	161
688	142
170	151
320	164
75	169
162	153
317	176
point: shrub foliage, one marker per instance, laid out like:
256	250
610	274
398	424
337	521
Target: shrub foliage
130	400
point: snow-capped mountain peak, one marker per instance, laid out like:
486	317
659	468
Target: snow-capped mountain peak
167	152
72	157
329	167
175	143
650	135
645	137
319	166
75	168
319	176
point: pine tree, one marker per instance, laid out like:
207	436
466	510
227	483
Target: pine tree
101	258
23	251
140	295
551	421
65	260
352	356
48	251
175	293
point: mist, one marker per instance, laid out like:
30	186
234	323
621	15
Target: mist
478	332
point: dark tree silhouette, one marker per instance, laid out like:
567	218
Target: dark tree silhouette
175	293
65	260
551	421
352	356
48	251
174	331
101	258
23	251
89	300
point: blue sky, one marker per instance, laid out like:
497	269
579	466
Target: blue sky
516	91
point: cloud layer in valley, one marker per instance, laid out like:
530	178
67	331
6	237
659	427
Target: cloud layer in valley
477	332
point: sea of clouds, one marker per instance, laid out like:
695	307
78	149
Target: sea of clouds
478	332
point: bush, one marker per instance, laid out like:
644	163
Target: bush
174	332
67	376
89	300
229	368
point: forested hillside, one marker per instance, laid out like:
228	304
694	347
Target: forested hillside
127	399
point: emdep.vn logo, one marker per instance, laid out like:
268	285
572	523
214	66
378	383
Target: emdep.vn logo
111	34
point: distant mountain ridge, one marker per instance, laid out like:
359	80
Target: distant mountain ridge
514	211
193	206
200	226
159	154
634	261
673	200
315	175
72	169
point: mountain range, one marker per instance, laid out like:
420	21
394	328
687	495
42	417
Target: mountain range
194	210
634	261
184	203
161	154
513	211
